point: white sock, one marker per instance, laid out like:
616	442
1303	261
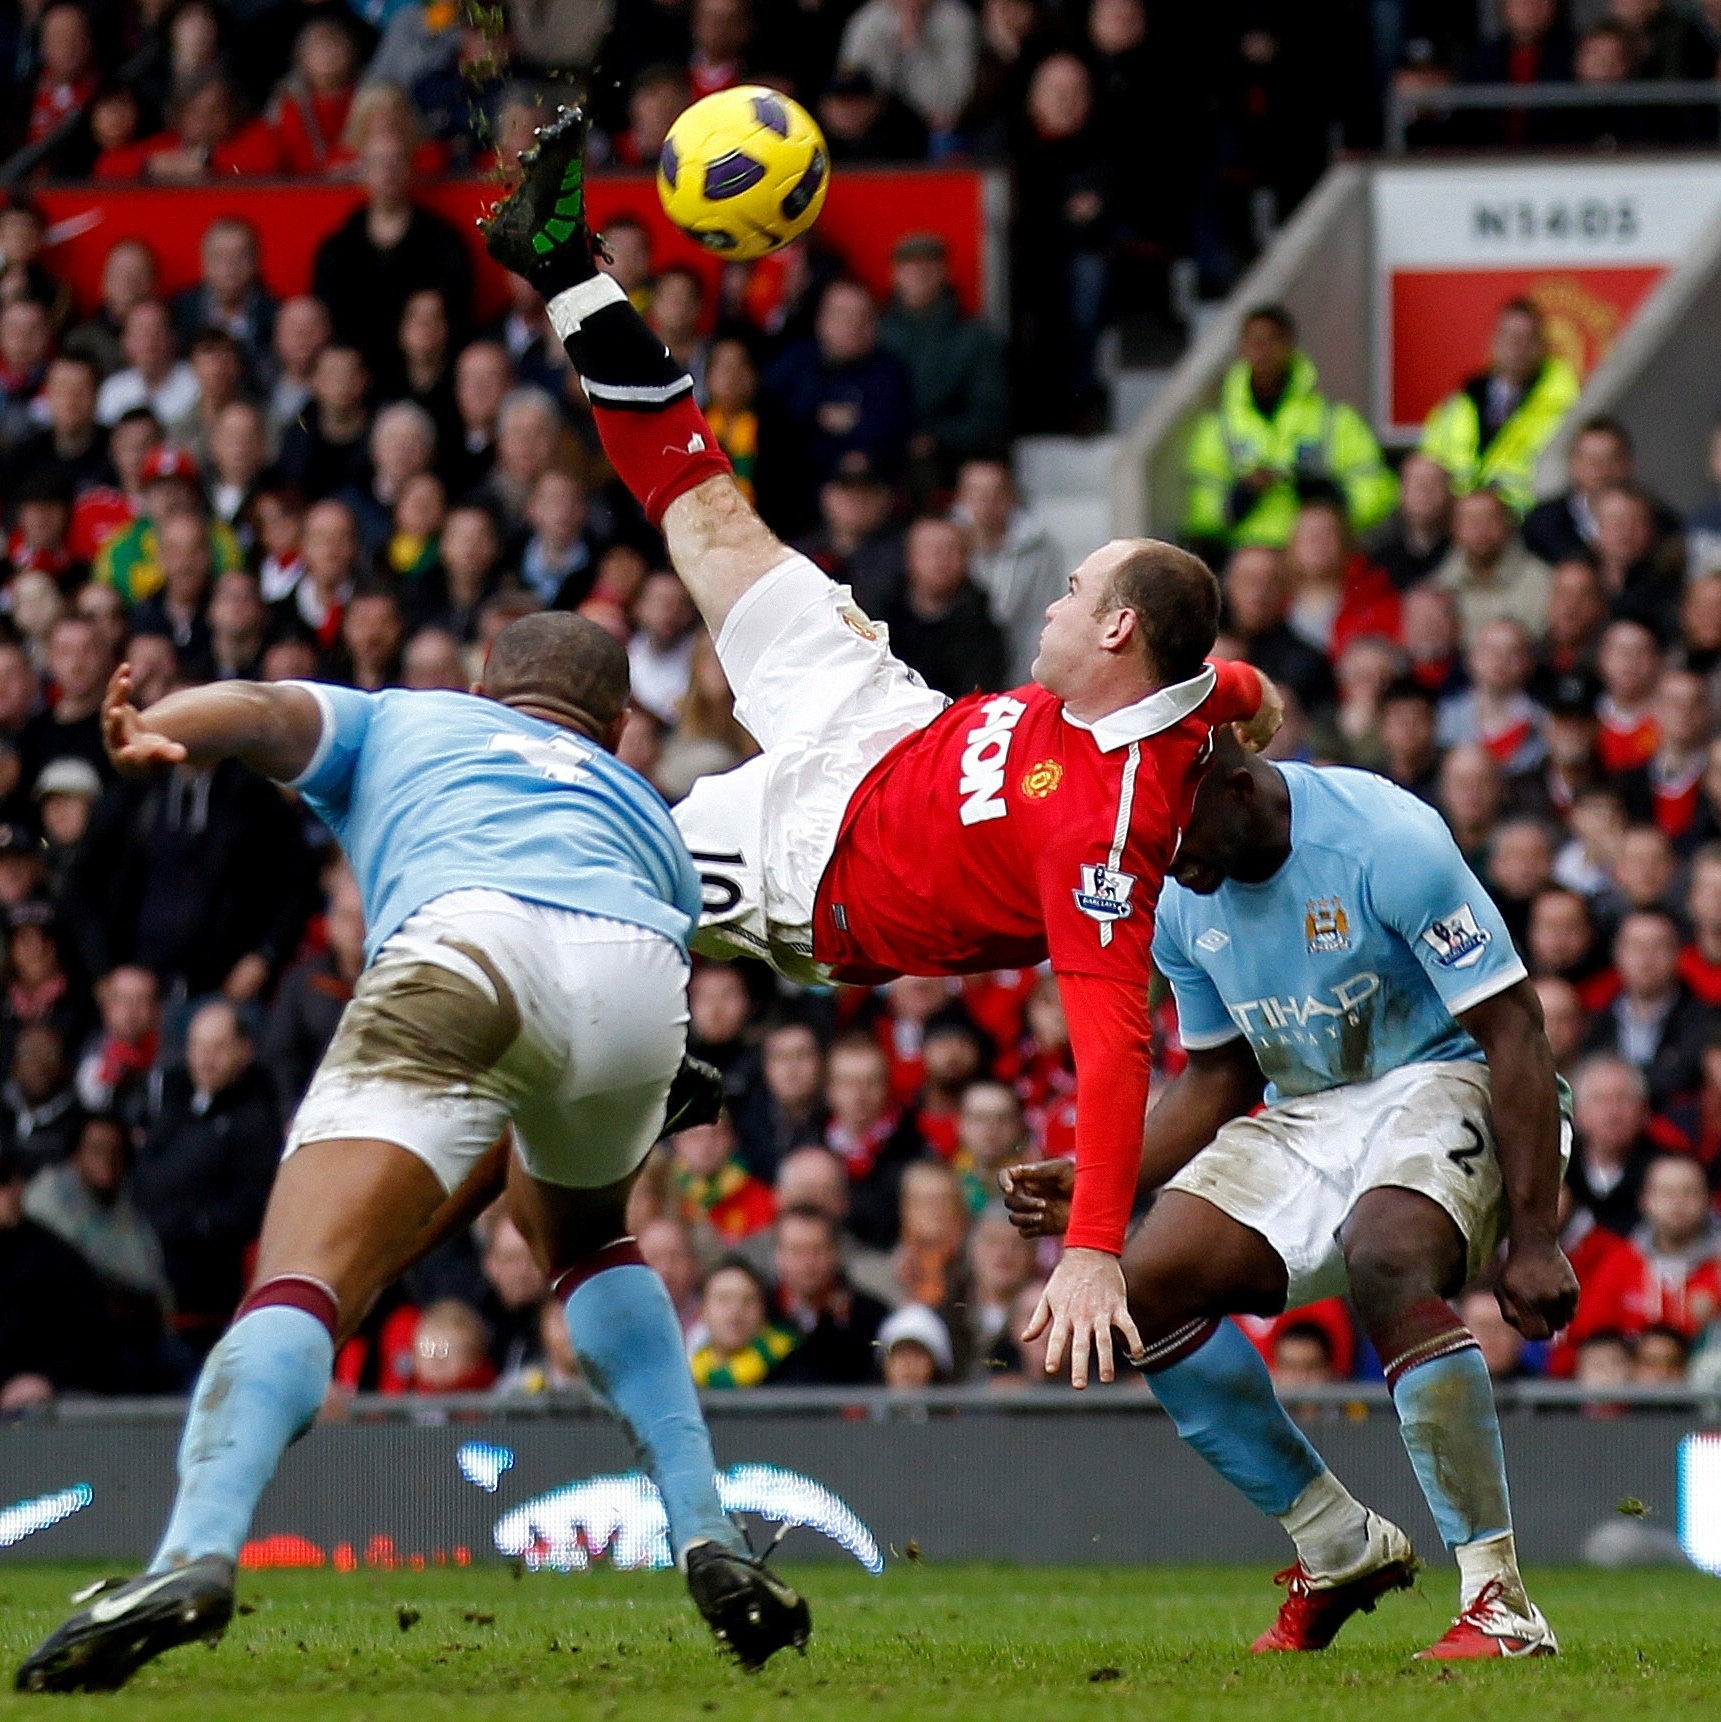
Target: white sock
1329	1526
1491	1558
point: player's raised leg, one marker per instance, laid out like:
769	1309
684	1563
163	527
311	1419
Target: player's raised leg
1405	1255
1185	1266
642	399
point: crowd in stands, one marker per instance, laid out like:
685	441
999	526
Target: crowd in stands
364	484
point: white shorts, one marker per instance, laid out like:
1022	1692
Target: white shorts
816	685
485	1010
1294	1173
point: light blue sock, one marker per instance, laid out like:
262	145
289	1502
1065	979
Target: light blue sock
626	1336
260	1388
1451	1431
1222	1401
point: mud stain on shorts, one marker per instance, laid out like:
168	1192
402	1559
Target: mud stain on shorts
427	1025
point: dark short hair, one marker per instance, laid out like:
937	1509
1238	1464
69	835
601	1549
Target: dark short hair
1278	315
1604	424
1519	306
564	658
806	1211
1405	688
1175	598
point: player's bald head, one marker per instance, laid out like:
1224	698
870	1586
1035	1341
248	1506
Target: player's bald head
561	665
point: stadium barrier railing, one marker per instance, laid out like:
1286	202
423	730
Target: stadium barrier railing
1404	107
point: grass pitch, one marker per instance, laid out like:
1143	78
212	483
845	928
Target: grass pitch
945	1643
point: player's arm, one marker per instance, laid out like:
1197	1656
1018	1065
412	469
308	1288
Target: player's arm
1245	698
1538	1292
1218	1084
273	727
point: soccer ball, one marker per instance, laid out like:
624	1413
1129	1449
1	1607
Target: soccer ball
744	171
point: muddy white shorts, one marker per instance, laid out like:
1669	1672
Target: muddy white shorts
1294	1173
485	1010
816	685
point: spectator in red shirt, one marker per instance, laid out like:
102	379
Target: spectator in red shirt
1497	713
311	108
210	137
722	32
1670	1273
1612	1147
713	1185
871	1136
1700	961
1686	723
69	73
955	1054
1340	595
1630	666
659	95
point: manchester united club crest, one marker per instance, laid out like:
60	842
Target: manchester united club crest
1042	779
1326	926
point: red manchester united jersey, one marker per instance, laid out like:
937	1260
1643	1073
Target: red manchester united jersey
1007	832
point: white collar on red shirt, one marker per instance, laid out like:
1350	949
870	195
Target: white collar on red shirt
1159	711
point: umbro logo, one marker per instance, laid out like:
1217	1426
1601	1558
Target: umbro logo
1212	941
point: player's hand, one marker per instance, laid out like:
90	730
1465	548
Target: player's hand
1269	715
1037	1194
1083	1301
1538	1292
132	748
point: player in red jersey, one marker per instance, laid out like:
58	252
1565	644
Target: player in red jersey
884	831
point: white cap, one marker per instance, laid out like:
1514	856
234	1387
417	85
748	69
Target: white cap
925	1327
69	775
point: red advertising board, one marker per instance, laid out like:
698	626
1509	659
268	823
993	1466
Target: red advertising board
865	214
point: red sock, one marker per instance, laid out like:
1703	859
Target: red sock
660	455
296	1291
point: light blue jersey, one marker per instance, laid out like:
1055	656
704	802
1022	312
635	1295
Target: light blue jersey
1355	957
438	792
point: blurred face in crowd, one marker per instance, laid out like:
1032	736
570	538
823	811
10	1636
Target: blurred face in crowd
913	998
909	1365
1470	787
858	1088
1645	866
217	1050
1060	97
1604	1360
205	117
24	336
1301	1358
236	611
237	444
651	110
733	1309
432	660
1598	458
291	660
1577	611
1319	549
128	445
1703	902
675	303
1675	1202
808	1261
130	1003
731	380
77	661
526	437
1646	953
1630	663
371	630
664	612
482	376
1266	347
1407	733
402	446
155	668
301	333
128	278
1001	1258
952	1058
229	261
34	956
339	381
721	29
557	509
668	1252
100	1160
183	542
813	1178
1366	669
934	1215
1683	712
1603	57
1501	1344
718	1003
331	546
854	508
937	564
1425	494
1700	614
325	55
1571	739
706	1148
421	507
1257	591
65	43
515	1277
1115	26
448	1350
1499	661
919	282
424	327
1661	1358
794	1067
1481	527
986	497
70	395
989	1125
1518	348
1610	1110
1522	859
386	164
1625	527
469	552
39	1063
1430	625
18	687
1563	1018
847	326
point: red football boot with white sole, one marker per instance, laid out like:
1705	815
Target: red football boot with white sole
1314	1610
1489	1627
